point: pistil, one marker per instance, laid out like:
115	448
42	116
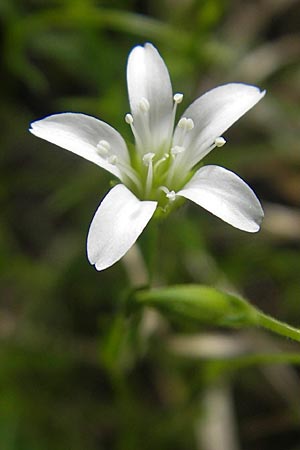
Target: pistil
160	161
148	162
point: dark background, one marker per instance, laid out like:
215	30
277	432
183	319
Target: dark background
76	372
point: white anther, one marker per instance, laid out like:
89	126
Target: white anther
189	124
113	159
171	195
147	158
182	122
129	119
178	98
103	148
144	105
220	141
177	149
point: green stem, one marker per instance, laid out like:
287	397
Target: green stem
278	327
151	248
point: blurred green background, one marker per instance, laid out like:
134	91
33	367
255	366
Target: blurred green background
76	370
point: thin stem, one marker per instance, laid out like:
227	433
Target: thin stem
151	249
278	327
136	268
149	179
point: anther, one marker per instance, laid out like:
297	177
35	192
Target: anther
171	195
103	148
144	105
189	124
186	124
220	141
178	98
177	149
113	159
147	158
182	122
129	119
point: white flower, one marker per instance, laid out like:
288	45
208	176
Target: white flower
163	165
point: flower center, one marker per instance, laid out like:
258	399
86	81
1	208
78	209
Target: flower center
155	172
162	169
155	167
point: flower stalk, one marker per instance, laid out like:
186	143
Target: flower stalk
277	327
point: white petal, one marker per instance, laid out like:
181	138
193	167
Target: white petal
225	195
116	225
148	78
80	134
213	113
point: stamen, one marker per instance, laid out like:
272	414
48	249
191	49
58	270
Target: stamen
130	173
103	148
144	105
171	195
184	125
147	158
220	141
176	150
112	159
142	133
189	124
182	122
129	119
178	98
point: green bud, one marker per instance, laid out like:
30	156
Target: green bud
201	304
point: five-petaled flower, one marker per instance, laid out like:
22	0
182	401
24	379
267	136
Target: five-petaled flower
164	165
